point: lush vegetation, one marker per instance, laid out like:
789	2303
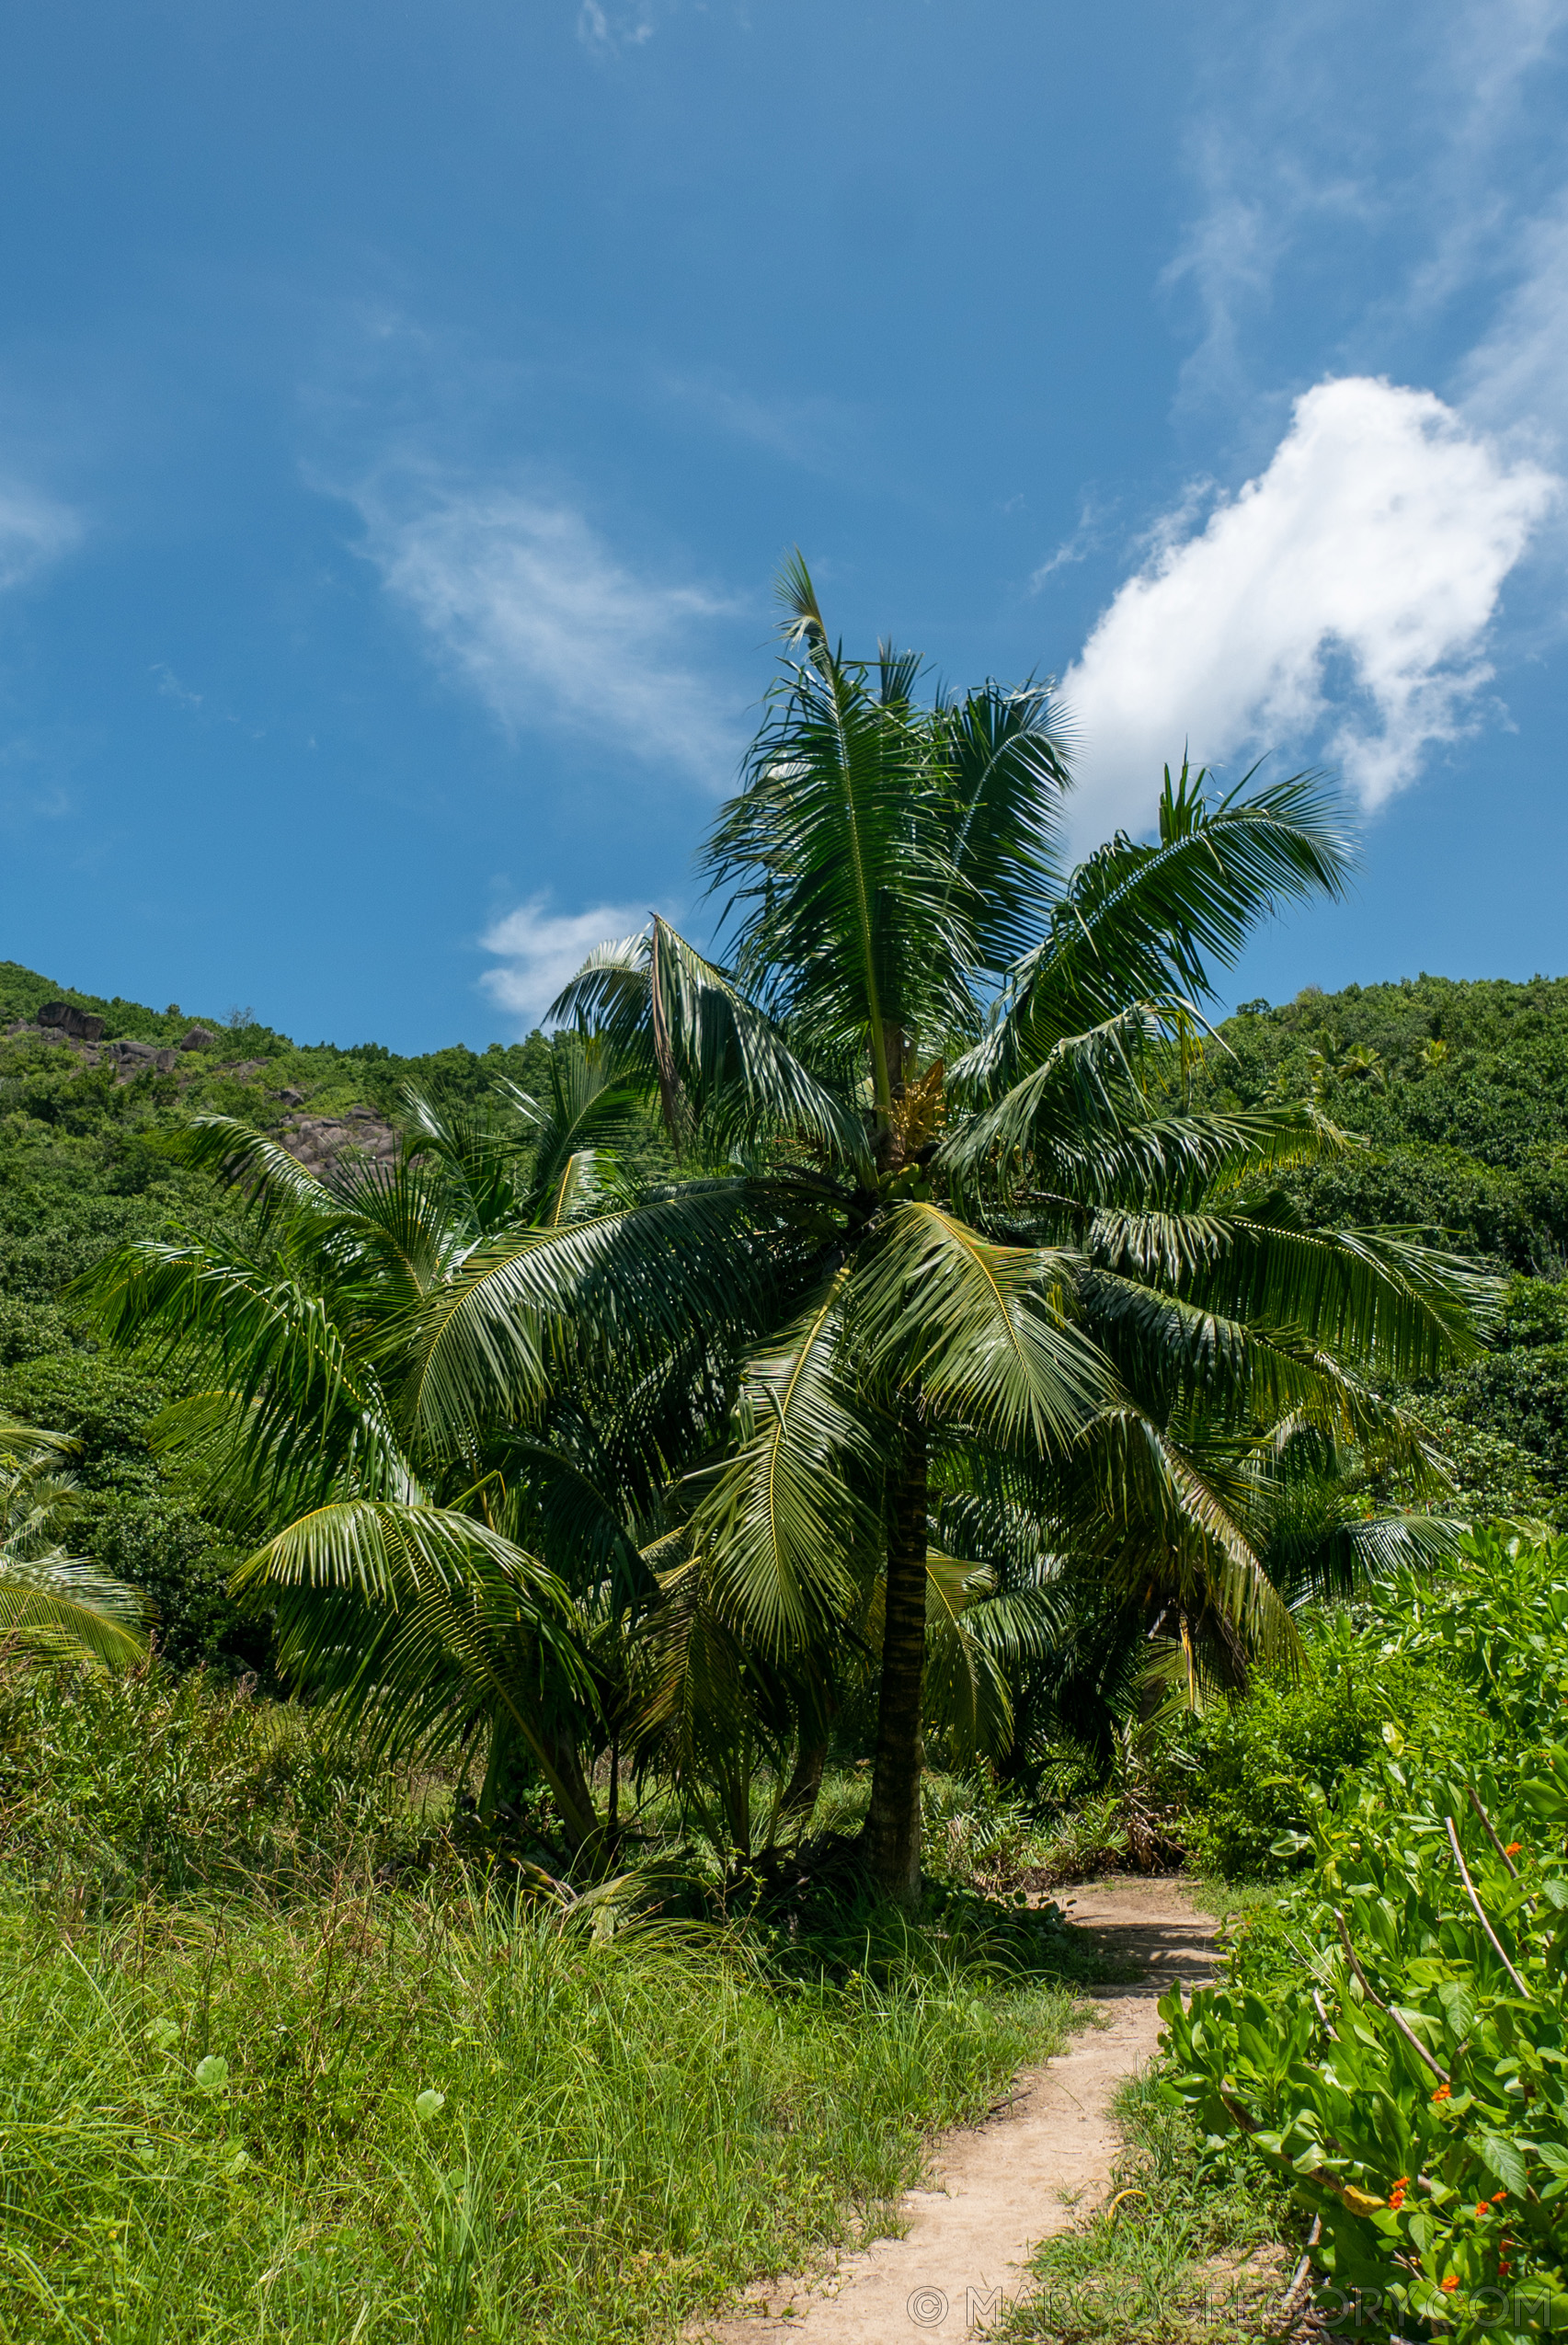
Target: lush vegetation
655	1541
279	2063
1417	2095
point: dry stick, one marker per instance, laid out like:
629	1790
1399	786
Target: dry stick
1344	2190
1308	1962
1322	2015
1491	1831
1491	1835
1479	1913
1407	2032
1304	2266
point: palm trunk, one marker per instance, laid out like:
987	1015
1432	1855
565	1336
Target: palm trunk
562	1765
799	1805
890	1839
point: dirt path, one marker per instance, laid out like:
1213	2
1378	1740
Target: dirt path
997	2189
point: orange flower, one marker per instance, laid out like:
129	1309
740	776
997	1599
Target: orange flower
1498	2197
1483	2207
1442	2094
1514	1848
1451	2283
1396	2197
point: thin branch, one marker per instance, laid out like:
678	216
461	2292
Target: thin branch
1479	1911
1304	2266
1407	2031
1491	1831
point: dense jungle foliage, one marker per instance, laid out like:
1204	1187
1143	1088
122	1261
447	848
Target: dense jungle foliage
688	1521
1470	1146
1415	2097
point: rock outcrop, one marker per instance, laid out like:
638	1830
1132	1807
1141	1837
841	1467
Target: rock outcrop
137	1057
77	1023
319	1142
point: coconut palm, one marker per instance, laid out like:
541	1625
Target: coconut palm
406	1577
1031	1255
946	1215
53	1602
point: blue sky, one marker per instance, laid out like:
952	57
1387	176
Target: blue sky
403	410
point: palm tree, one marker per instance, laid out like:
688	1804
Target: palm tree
52	1602
947	1216
1022	1257
404	1579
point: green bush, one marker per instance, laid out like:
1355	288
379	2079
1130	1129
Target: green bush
182	1564
119	1785
1415	2095
1251	1773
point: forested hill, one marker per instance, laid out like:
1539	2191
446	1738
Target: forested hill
81	1169
1459	1090
78	1110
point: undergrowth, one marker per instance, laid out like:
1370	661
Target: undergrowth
1184	2250
279	2060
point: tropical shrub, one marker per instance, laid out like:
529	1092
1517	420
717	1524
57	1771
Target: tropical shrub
1250	1773
1416	2092
116	1785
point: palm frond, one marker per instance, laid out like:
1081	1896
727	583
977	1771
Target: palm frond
723	1068
783	1524
408	1622
61	1608
1006	757
855	918
1148	922
629	1285
982	1331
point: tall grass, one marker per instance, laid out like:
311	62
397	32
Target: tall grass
334	2101
385	2117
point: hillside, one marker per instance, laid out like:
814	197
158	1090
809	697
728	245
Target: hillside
81	1118
1459	1091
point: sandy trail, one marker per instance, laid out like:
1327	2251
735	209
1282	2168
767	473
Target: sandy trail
998	2188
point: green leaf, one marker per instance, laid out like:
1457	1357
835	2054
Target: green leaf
1501	2158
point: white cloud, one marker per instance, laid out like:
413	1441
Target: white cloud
1378	539
34	532
1519	373
541	949
532	609
602	28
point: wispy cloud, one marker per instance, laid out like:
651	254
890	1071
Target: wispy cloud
34	532
539	950
822	434
529	607
605	29
1086	539
1294	145
171	687
1518	372
1375	545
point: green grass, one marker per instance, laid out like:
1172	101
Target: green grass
257	2082
1186	2250
213	2118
